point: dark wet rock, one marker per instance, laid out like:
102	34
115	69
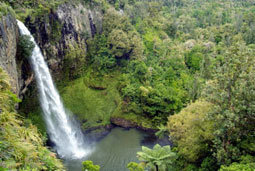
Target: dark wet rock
97	133
124	123
96	87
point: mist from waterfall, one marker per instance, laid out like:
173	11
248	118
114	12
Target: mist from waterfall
63	130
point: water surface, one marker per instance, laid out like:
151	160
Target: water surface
115	151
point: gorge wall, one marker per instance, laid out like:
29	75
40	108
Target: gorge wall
8	48
67	27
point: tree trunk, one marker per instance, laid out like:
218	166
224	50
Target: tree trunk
156	167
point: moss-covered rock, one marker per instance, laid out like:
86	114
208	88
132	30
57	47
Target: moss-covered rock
60	29
93	107
96	102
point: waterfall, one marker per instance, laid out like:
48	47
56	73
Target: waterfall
62	129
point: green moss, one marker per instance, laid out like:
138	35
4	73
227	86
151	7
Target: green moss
91	105
94	99
74	61
55	35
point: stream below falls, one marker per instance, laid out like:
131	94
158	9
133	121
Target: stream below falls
115	150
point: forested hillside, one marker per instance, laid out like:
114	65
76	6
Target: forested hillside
182	67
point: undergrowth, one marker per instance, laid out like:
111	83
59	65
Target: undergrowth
21	145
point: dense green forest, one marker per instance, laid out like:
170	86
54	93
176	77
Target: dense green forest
183	67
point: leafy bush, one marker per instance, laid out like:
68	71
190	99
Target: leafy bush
208	164
246	163
194	58
132	166
5	9
25	47
100	54
89	166
122	38
232	94
192	131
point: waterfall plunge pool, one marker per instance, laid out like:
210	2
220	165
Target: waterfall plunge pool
116	150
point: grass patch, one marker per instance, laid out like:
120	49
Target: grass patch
92	105
94	99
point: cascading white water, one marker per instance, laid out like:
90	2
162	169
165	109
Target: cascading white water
62	129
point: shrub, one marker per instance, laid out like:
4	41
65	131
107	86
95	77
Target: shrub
191	131
89	166
194	58
132	166
25	46
5	9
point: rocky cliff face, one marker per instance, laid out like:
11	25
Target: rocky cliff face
18	69
56	32
68	26
8	48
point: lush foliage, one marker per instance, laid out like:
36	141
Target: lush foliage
92	99
32	8
25	46
74	62
89	166
192	131
132	166
187	44
21	145
159	158
5	10
165	54
151	62
231	93
246	163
